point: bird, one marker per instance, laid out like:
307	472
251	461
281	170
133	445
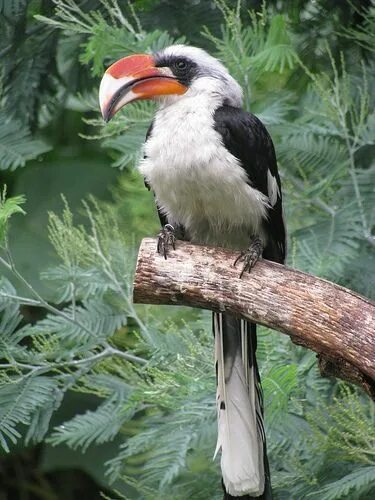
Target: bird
212	169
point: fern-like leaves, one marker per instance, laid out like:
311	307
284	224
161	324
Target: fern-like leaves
357	485
16	144
99	426
18	402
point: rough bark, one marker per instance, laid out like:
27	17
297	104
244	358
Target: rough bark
331	320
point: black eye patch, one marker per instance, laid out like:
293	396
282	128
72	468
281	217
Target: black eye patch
183	68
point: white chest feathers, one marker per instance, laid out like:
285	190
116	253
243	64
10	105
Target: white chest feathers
197	182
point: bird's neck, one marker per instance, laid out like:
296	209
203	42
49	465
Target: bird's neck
183	133
191	102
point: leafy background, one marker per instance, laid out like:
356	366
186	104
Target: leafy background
98	397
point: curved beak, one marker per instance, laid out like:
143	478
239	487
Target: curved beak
132	78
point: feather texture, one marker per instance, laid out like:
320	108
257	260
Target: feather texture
213	170
239	407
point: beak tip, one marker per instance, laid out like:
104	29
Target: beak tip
106	113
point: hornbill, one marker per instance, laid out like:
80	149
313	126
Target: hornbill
212	168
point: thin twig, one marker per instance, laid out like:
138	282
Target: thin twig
35	370
22	300
40	302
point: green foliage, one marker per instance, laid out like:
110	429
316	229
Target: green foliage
111	34
11	7
29	83
177	436
355	485
97	426
16	144
363	35
254	49
71	339
20	399
8	207
9	314
344	429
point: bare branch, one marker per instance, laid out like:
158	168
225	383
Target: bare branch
333	321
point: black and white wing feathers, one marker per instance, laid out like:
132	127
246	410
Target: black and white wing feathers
246	138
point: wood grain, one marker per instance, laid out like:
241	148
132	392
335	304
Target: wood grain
333	321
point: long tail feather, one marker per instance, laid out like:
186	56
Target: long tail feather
241	435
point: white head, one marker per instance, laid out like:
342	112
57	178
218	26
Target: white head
177	72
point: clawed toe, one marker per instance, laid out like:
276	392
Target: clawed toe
250	256
166	240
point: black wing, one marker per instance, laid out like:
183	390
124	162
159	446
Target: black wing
246	138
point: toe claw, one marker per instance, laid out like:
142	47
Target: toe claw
250	256
240	257
166	239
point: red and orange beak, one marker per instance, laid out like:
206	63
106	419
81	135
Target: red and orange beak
134	77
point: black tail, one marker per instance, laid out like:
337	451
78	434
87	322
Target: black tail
241	435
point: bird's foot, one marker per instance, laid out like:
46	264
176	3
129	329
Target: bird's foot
250	256
166	240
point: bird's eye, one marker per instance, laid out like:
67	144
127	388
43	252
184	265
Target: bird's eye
181	64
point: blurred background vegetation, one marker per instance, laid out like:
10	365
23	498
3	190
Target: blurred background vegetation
99	398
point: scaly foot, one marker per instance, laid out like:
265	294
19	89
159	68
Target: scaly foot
166	240
250	256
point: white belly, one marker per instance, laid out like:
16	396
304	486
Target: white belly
198	183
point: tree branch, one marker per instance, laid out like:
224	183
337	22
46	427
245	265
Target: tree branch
331	320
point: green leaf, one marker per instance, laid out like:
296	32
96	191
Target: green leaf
9	207
17	146
278	385
10	316
93	321
71	282
41	418
18	402
355	484
99	426
278	53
